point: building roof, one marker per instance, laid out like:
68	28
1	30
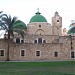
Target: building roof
71	30
38	18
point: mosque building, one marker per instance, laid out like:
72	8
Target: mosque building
42	41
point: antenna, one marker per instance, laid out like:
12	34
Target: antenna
38	9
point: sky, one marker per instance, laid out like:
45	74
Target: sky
25	9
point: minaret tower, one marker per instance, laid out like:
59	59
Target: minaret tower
57	24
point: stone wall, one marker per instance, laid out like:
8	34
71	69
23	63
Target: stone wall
61	44
34	29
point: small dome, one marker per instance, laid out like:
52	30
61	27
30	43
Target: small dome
21	23
56	13
71	30
38	18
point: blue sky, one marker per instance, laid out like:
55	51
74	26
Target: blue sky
25	9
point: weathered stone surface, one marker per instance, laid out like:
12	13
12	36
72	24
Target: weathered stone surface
47	49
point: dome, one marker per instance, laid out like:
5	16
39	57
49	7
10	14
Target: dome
72	30
20	23
38	18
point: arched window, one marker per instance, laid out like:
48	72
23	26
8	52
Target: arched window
19	40
22	52
22	41
35	41
44	41
57	20
56	54
40	31
38	53
39	40
1	52
72	54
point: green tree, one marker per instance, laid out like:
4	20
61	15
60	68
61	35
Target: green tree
11	25
1	12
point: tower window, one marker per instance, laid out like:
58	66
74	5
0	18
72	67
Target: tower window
72	54
56	54
71	48
57	20
37	53
39	25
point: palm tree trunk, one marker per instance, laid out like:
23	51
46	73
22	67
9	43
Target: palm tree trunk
8	59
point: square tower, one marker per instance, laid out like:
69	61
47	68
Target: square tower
57	24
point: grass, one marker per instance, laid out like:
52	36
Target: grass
38	68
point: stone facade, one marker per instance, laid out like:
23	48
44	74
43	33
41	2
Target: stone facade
42	41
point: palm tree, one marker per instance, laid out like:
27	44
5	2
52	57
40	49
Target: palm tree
10	25
1	12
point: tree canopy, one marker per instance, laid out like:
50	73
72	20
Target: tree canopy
11	24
